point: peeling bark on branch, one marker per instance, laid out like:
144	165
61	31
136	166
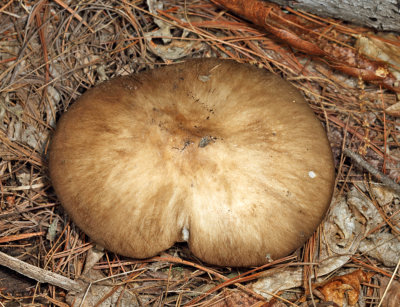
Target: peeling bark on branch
378	14
312	37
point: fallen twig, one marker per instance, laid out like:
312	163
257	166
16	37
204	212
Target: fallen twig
38	274
357	159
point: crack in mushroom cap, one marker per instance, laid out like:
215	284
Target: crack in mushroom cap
223	155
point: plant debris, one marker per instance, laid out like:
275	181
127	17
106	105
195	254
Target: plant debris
53	51
345	290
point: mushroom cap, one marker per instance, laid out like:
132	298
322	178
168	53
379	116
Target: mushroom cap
225	156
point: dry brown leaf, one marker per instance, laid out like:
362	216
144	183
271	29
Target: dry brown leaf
236	298
276	304
383	47
392	297
346	287
394	110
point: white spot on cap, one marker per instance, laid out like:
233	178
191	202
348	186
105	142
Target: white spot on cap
312	175
204	78
269	258
185	234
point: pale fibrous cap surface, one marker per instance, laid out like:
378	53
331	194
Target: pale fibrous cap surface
225	156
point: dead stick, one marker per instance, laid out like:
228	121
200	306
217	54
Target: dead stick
38	274
377	174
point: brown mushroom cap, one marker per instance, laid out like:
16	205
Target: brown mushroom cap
223	155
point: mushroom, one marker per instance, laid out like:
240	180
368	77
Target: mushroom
225	156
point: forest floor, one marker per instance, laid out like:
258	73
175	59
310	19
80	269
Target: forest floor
53	51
